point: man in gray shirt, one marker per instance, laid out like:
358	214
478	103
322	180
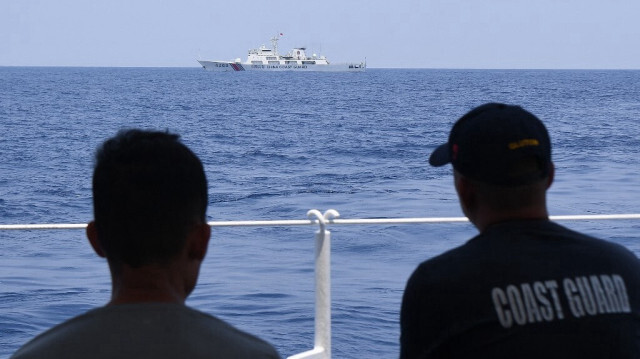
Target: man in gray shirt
150	201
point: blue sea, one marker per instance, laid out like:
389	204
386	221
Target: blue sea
275	145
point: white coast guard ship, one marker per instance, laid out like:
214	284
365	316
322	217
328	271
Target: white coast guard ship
265	59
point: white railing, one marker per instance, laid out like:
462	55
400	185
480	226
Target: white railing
332	221
322	338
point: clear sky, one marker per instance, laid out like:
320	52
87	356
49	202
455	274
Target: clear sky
560	34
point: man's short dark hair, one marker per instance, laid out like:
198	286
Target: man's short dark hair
148	191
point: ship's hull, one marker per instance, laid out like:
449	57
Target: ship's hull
221	66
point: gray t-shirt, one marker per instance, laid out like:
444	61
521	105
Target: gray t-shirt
146	330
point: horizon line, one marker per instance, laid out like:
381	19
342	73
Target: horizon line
368	68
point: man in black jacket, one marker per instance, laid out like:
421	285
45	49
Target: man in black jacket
524	287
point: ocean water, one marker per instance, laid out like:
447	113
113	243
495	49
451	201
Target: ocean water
275	145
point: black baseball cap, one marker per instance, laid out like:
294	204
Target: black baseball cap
497	144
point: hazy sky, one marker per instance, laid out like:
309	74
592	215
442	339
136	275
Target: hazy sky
602	34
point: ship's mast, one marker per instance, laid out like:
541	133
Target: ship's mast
274	43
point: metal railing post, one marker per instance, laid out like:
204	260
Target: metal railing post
323	291
322	338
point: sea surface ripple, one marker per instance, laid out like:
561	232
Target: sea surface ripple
275	145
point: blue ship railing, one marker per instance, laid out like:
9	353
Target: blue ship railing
322	338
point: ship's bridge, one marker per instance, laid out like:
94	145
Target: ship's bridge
298	53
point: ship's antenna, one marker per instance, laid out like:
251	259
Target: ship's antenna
274	43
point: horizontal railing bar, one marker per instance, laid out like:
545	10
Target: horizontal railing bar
286	222
595	217
336	221
44	226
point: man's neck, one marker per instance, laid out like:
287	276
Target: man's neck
147	284
487	218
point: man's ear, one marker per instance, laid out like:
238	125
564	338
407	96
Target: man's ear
199	241
466	194
92	235
552	172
